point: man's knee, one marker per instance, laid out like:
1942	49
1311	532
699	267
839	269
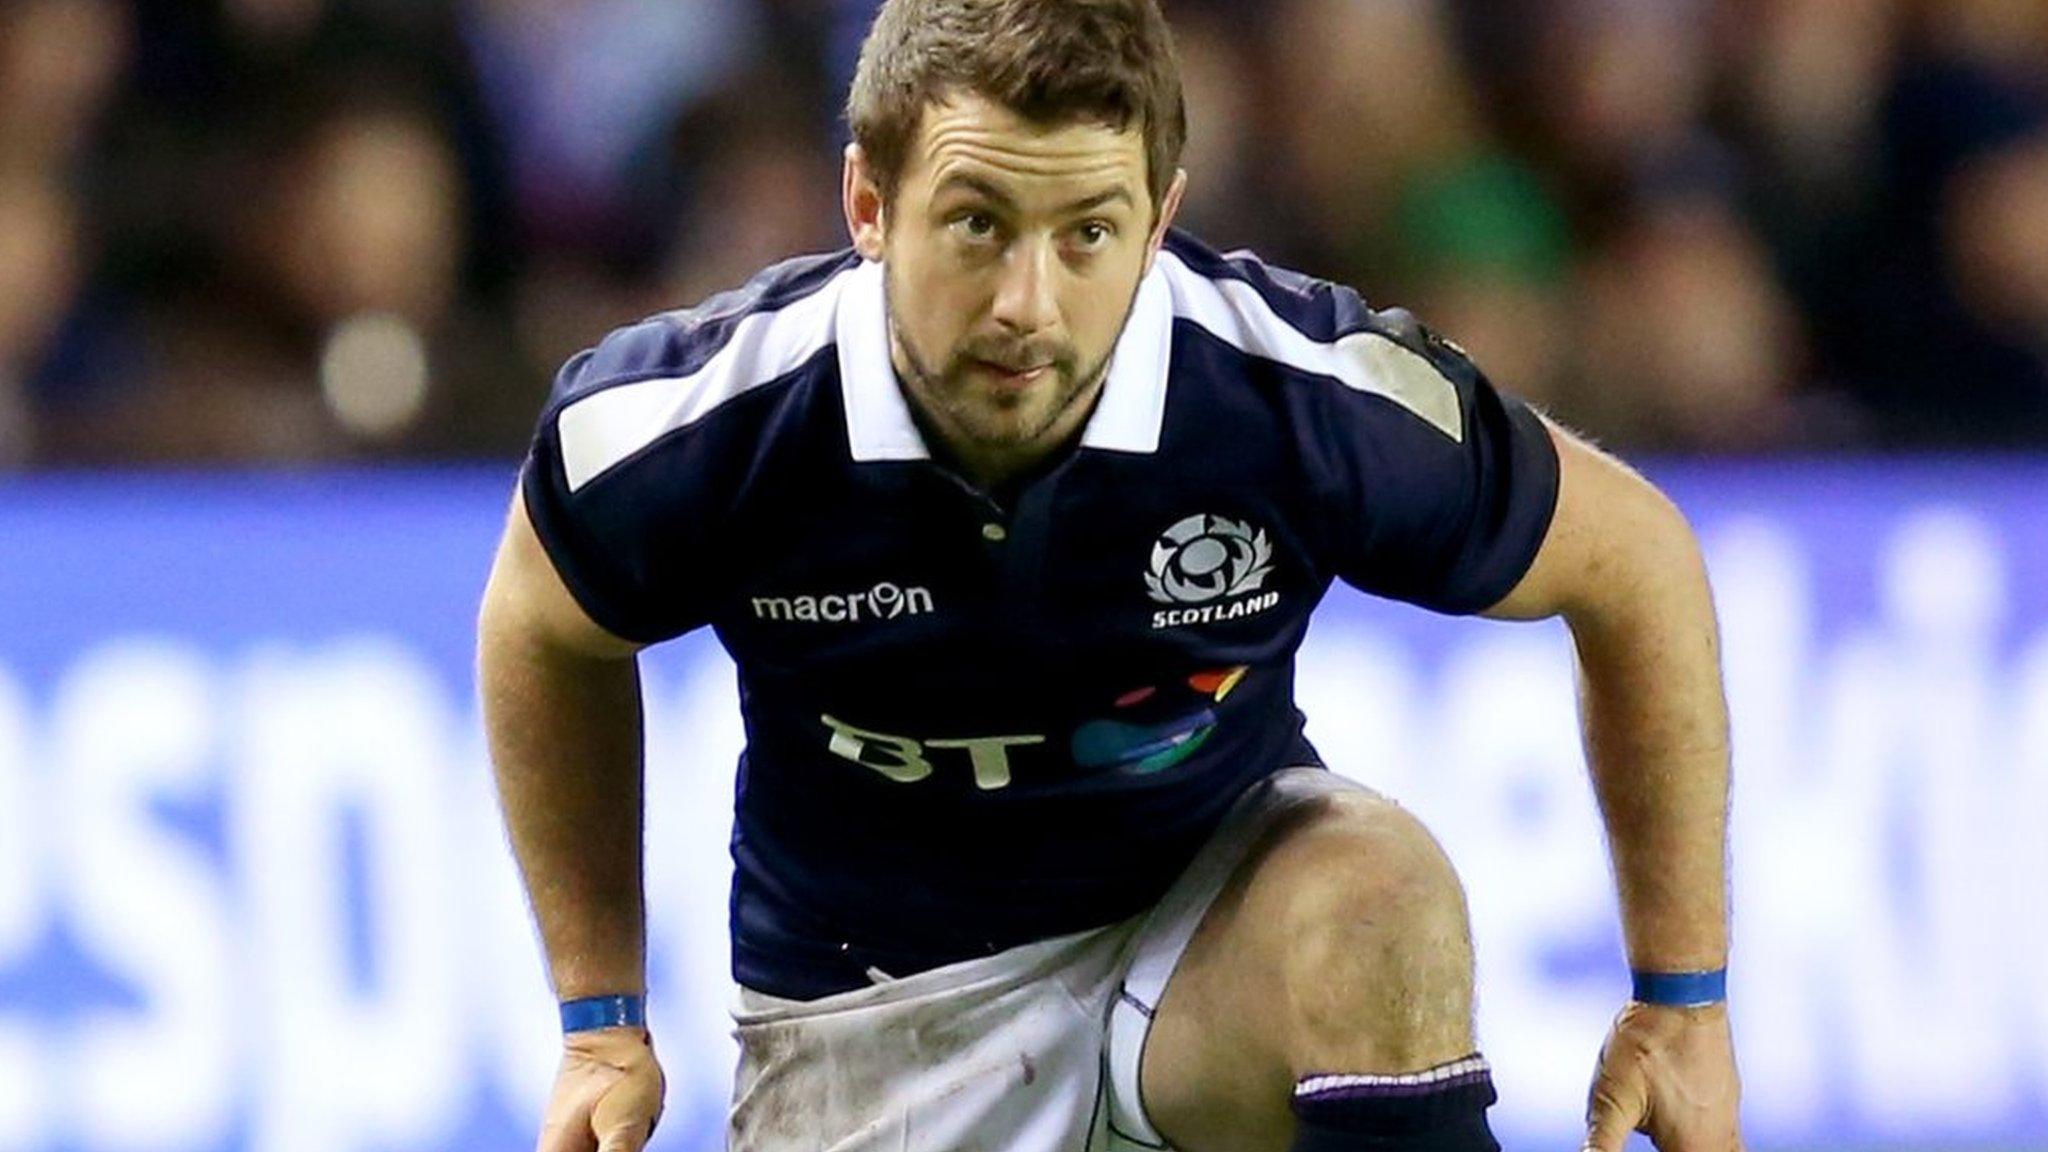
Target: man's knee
1374	948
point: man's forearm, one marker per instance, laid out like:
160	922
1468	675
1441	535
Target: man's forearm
1656	727
565	745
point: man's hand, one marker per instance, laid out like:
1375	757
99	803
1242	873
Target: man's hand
1668	1073
607	1095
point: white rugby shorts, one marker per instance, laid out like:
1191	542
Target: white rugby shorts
1034	1049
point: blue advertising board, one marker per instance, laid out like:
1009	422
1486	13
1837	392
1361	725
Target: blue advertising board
254	895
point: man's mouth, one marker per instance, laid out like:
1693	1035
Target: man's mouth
1015	375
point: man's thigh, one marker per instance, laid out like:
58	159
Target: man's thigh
1002	1052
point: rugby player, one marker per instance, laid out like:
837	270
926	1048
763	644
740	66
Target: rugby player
1012	516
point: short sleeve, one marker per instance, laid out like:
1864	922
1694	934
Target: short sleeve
629	542
1439	505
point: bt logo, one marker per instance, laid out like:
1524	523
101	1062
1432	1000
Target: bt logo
1151	729
903	760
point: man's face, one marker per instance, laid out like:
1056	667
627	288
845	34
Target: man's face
1012	254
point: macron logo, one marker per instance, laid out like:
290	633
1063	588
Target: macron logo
885	601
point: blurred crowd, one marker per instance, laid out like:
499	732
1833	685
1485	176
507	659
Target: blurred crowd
318	230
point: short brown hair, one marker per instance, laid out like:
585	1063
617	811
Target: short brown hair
1050	61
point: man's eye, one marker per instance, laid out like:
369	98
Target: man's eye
975	226
1094	234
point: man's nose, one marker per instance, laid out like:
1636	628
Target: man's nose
1024	301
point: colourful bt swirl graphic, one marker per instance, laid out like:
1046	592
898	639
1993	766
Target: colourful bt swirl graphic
1154	728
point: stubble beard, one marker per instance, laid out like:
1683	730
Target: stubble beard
992	422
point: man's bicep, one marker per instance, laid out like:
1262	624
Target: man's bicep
1608	521
527	595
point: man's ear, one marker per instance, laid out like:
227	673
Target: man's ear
1169	206
861	198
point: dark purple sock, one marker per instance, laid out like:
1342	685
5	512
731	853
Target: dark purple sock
1440	1109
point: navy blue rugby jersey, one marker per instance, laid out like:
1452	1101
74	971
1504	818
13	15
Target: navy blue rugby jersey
970	725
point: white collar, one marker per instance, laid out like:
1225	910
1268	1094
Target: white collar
1127	417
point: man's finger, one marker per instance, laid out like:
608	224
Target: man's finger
626	1139
570	1134
1608	1120
625	1120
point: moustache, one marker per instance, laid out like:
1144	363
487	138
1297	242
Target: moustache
1018	357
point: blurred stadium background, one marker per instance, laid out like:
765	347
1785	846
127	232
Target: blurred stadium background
282	283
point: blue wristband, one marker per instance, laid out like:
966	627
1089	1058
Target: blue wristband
1681	989
604	1012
